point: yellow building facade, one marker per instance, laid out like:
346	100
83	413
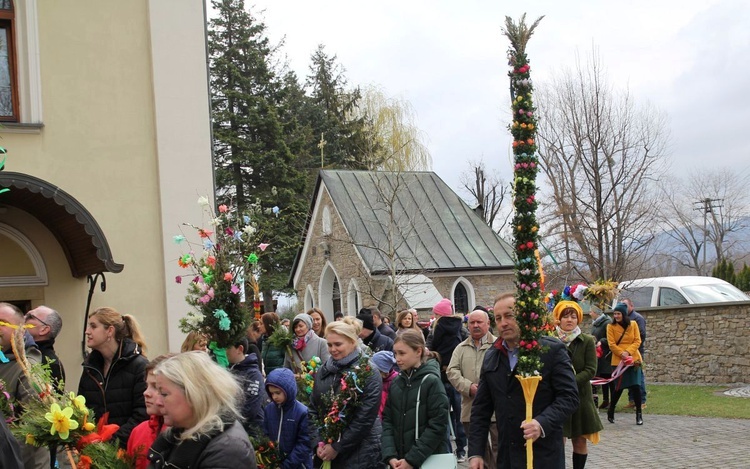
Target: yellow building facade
108	138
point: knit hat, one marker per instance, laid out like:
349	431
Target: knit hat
384	360
366	321
443	308
623	308
304	317
563	305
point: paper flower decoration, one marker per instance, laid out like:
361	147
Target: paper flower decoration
263	246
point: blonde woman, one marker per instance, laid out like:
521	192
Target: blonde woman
195	341
113	378
359	444
199	401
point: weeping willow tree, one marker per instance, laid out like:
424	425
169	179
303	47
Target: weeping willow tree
394	142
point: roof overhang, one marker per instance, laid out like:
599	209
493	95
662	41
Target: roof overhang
76	230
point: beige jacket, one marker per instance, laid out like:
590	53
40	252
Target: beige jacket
465	368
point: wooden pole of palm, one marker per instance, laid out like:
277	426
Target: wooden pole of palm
530	309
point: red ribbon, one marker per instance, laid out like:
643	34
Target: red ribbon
624	364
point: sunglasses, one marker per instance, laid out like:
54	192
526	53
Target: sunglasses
31	316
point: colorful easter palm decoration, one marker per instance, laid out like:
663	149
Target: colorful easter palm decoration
222	261
530	308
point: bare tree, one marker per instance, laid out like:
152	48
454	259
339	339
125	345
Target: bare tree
488	193
601	154
708	207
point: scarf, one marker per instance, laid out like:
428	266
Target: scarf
568	337
299	343
338	365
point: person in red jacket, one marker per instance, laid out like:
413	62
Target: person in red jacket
145	433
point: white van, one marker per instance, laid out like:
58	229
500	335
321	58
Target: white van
672	291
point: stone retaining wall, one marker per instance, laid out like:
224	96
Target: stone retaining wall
697	344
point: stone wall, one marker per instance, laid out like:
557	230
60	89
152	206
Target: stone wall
697	344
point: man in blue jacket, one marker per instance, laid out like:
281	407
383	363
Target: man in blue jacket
500	392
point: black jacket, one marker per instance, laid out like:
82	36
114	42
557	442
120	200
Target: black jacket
446	335
47	347
253	387
387	331
359	445
120	392
501	393
229	449
377	342
10	453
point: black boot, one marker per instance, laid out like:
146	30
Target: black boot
611	412
579	460
638	417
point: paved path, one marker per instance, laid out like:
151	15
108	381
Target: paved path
666	441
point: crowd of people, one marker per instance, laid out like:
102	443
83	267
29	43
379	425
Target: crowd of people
434	391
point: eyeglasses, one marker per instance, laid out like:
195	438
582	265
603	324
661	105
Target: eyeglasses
31	316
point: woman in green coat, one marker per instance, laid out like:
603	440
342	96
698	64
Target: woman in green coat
584	424
420	373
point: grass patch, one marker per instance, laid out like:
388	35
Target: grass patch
696	401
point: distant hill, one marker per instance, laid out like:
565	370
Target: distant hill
669	248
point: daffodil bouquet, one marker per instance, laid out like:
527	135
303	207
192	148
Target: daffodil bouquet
221	259
57	420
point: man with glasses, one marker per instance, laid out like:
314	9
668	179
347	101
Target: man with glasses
45	324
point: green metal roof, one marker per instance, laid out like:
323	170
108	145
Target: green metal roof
431	228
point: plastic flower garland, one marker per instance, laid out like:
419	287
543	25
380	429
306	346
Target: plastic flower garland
225	262
306	381
340	404
530	308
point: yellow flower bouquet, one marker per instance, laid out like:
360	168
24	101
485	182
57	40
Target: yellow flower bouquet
55	420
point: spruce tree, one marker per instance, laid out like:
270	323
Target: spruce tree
332	117
254	165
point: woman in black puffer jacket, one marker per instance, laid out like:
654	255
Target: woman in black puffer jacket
113	374
359	444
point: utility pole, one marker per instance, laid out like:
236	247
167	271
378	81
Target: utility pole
706	206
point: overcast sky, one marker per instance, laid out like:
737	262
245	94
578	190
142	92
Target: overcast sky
689	58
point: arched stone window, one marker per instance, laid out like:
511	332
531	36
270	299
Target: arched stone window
329	292
353	300
463	296
326	221
309	298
